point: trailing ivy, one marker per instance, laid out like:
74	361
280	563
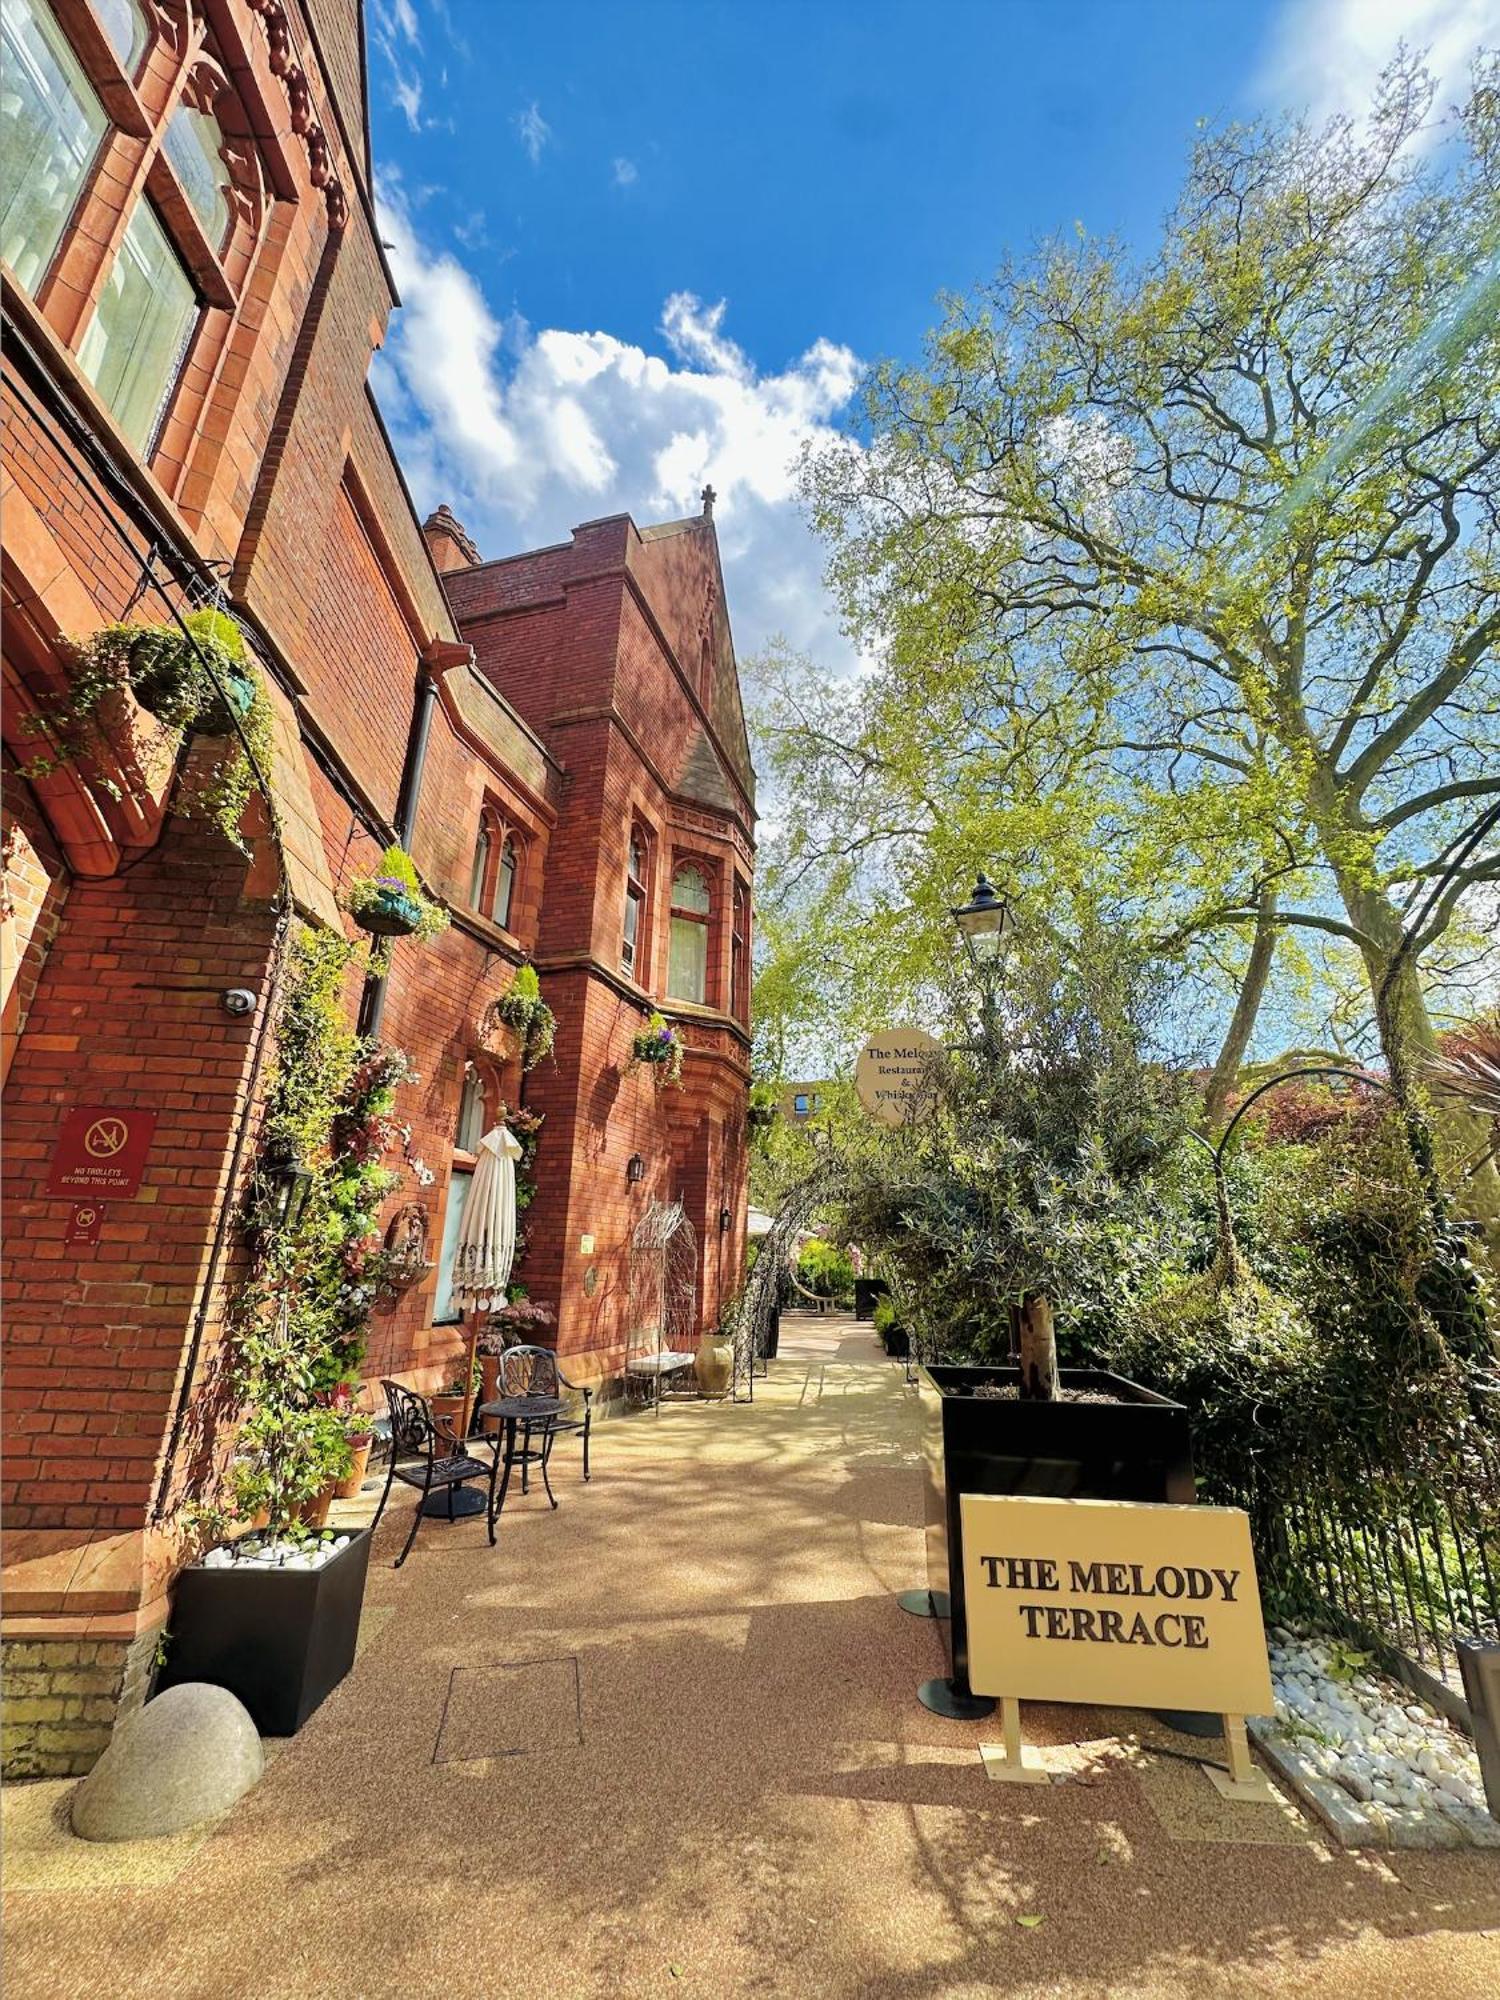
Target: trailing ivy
201	681
300	1321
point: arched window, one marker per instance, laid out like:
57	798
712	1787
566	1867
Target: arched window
687	960
481	867
126	30
739	954
633	943
470	1112
194	143
505	884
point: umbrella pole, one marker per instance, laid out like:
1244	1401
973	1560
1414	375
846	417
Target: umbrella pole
468	1417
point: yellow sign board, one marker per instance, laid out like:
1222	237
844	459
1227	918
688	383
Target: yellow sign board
892	1075
1121	1604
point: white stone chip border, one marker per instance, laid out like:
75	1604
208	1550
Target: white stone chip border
1382	1769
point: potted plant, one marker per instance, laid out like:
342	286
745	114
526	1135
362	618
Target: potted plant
1022	1178
390	904
273	1616
169	678
522	1009
658	1047
197	677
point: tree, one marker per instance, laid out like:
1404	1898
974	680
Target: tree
1216	537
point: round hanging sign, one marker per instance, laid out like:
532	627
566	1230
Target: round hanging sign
892	1076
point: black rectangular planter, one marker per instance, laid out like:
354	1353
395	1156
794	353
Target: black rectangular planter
279	1639
867	1293
1135	1449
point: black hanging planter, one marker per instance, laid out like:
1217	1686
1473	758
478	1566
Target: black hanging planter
279	1639
1136	1448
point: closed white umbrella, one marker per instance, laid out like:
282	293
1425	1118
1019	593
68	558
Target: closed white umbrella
486	1240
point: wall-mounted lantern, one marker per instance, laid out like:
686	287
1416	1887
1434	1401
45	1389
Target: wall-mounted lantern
725	1220
635	1169
290	1182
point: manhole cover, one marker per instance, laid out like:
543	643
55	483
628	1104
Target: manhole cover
510	1710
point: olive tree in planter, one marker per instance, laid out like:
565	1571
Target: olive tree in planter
1041	1139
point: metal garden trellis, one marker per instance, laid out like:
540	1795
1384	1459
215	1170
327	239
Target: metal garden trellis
663	1294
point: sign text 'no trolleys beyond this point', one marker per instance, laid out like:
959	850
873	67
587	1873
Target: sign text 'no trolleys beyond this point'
101	1154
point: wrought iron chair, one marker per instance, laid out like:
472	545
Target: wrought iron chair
534	1371
443	1465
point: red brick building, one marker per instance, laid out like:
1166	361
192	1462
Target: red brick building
193	290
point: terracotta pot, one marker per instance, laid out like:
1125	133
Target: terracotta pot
314	1513
348	1487
448	1414
498	1038
713	1364
489	1389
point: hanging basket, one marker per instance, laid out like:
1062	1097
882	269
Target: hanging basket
390	913
219	715
496	1037
166	674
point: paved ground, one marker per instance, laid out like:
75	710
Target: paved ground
665	1741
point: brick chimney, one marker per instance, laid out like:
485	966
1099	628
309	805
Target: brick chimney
446	538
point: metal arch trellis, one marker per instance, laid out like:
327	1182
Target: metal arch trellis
755	1309
663	1280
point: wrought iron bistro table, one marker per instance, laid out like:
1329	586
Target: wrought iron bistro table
523	1417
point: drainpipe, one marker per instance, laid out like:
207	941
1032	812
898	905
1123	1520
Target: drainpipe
372	1000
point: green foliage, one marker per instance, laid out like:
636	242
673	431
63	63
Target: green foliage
397	889
522	1007
299	1322
177	678
1121	547
824	1268
658	1047
1041	1151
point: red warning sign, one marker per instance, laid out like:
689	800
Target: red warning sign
101	1154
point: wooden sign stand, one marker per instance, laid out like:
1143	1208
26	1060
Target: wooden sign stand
1006	1762
1242	1780
1007	1765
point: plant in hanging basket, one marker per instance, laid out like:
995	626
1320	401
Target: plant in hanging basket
390	904
196	677
658	1047
523	1009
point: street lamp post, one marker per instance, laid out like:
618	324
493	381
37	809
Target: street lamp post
984	924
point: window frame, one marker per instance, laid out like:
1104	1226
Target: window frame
504	838
180	65
680	913
739	951
635	953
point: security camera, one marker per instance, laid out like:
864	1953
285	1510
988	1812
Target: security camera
239	1000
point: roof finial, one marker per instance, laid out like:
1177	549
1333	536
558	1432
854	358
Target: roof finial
709	497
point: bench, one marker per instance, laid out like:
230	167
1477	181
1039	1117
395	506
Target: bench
651	1368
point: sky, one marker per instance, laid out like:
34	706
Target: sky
645	246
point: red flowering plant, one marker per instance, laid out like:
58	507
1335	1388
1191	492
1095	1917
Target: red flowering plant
518	1321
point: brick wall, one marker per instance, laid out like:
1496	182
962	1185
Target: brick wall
31	907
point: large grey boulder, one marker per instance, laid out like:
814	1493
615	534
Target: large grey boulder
182	1758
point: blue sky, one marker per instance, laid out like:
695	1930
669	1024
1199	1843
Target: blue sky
641	245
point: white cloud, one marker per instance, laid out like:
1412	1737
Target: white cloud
527	433
533	129
626	173
1326	55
